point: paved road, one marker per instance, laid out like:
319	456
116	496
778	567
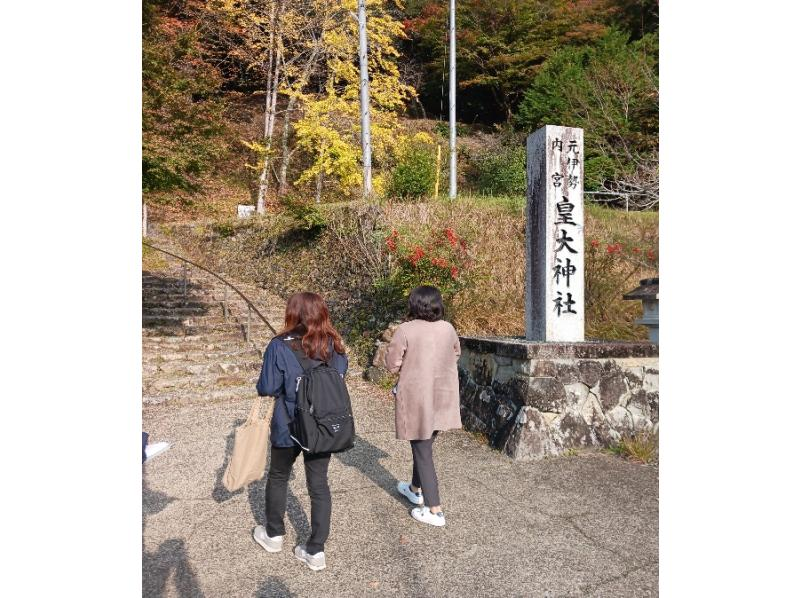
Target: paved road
585	525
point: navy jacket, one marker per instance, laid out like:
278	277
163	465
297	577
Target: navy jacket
278	378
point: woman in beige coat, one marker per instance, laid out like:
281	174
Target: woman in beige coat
425	351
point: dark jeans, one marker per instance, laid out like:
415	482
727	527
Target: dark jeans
280	467
424	474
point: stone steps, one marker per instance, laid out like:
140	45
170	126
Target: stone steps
178	308
218	343
166	369
169	317
190	352
166	382
155	355
186	397
232	331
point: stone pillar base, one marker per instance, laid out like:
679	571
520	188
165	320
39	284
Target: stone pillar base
537	399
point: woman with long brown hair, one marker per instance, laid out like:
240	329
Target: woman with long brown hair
308	328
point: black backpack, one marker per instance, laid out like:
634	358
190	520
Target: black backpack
323	419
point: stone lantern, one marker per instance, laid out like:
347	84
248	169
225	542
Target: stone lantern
647	293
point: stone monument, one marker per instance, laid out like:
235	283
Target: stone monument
552	390
554	235
245	211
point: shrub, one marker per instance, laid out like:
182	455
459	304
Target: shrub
441	260
443	128
224	229
414	175
306	214
611	269
502	172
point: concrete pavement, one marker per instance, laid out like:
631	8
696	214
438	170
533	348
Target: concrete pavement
585	525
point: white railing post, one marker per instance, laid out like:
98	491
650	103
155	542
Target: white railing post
183	269
247	333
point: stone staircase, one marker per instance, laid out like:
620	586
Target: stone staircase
194	345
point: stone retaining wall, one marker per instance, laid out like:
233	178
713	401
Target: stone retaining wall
534	399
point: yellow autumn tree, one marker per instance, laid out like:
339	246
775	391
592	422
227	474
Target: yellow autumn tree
329	129
306	51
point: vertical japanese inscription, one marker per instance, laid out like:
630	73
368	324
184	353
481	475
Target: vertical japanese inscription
563	303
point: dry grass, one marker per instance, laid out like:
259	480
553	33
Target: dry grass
493	303
642	447
152	260
346	260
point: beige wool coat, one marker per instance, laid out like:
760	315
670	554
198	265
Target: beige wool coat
425	354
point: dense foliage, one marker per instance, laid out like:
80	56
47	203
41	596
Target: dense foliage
610	89
258	99
503	44
181	107
501	171
414	173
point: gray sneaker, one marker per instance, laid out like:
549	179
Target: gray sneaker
269	544
315	562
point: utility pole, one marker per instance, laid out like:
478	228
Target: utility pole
366	144
452	99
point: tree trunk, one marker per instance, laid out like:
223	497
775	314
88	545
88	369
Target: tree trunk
273	80
287	123
318	196
270	63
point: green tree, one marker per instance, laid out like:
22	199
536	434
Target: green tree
501	45
181	106
609	89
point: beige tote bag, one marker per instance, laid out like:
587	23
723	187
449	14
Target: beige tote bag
250	444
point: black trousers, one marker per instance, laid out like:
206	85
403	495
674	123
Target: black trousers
280	468
424	473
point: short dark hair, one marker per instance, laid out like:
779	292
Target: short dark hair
425	303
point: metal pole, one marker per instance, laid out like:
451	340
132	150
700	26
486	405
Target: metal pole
438	168
366	144
452	99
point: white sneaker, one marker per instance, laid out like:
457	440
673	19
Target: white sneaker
315	562
269	544
424	515
151	450
415	498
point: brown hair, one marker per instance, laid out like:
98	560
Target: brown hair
307	314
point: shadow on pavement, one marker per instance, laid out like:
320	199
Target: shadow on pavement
273	588
220	493
158	566
364	456
152	501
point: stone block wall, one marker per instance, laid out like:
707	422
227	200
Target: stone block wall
534	399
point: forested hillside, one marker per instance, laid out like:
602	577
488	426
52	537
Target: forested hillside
246	100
